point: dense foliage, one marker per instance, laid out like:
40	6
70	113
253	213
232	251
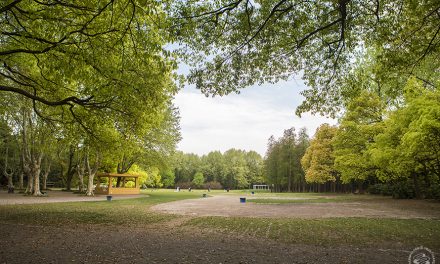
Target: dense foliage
234	44
85	86
283	160
232	169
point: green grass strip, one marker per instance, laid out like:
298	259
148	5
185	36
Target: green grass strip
331	231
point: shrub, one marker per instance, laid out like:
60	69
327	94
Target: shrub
215	185
375	189
381	188
403	190
184	185
433	192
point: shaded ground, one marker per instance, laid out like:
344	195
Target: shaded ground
377	207
37	244
54	197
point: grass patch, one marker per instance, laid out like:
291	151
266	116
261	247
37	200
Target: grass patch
331	231
132	212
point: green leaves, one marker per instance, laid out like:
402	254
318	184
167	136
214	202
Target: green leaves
358	127
233	45
318	160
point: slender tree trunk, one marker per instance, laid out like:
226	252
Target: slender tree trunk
45	175
416	185
91	171
70	169
10	182
30	181
22	171
89	191
80	172
20	180
8	172
35	170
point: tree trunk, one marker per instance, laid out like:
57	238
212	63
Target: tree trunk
22	171
89	191
416	185
35	171
30	181
20	180
8	172
361	187
91	171
10	182
80	172
70	169
45	175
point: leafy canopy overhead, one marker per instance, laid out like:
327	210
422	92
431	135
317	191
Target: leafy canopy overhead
88	58
232	44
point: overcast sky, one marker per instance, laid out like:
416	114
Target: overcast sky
242	121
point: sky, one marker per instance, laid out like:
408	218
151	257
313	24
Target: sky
242	121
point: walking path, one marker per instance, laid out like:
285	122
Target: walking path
55	197
229	205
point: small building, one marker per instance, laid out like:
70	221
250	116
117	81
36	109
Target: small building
113	183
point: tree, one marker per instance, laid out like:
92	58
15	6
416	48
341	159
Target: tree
168	178
234	44
213	166
98	75
198	179
254	163
80	61
358	127
10	151
283	160
408	148
318	161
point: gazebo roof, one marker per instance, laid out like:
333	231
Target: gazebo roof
116	175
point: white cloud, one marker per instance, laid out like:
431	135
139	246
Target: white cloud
243	121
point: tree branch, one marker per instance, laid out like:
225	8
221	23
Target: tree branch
65	101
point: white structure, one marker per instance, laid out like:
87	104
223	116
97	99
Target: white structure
260	187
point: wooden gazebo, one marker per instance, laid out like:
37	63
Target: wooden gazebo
117	184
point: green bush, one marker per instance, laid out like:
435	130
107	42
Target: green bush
381	188
214	185
403	190
433	192
375	189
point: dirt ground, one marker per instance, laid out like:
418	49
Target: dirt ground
54	197
175	242
83	244
229	205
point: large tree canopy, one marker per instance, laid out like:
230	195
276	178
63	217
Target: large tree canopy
101	58
231	44
93	75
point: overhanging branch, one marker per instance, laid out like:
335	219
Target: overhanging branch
66	101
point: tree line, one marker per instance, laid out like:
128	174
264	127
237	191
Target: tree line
392	151
233	169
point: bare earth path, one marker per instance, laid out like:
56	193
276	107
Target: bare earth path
54	197
229	205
